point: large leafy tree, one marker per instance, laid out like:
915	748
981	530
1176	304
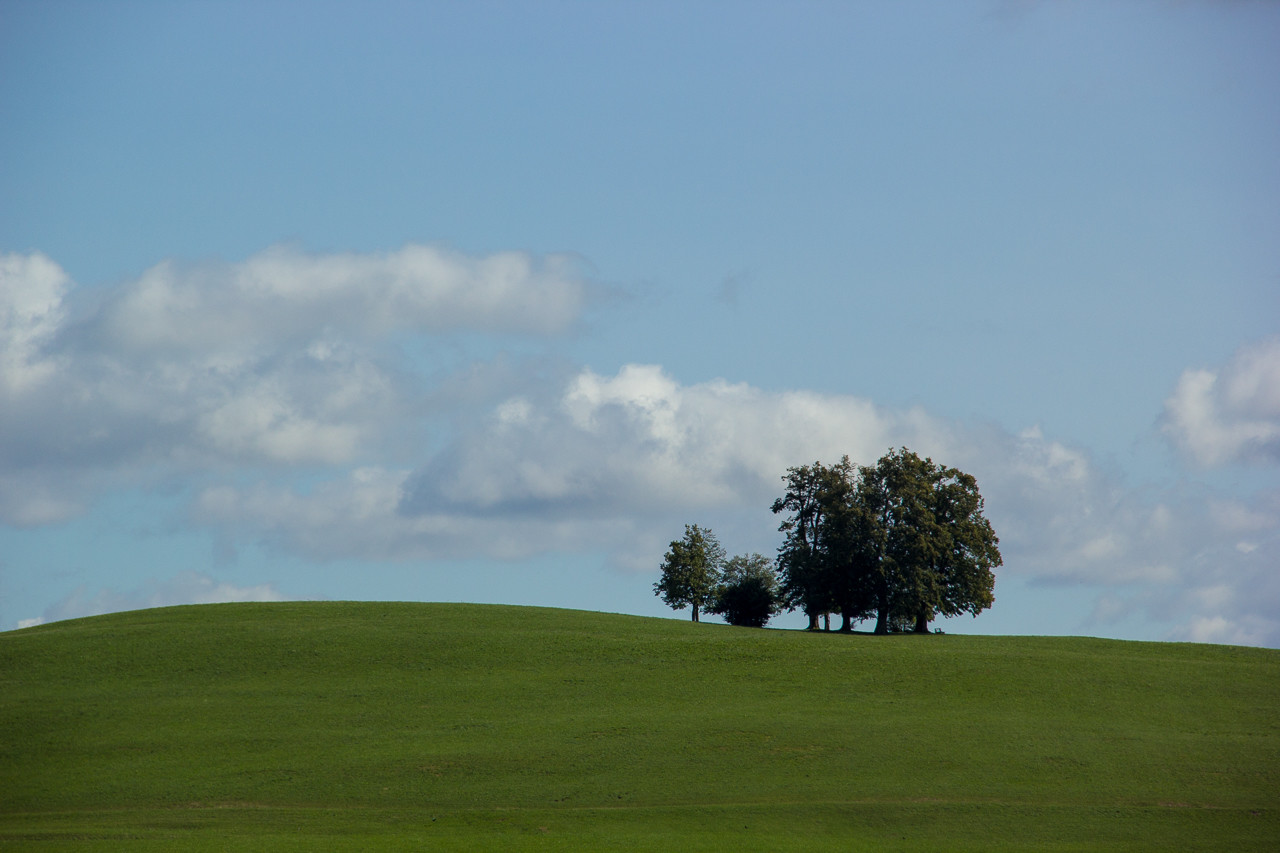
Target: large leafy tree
691	571
927	548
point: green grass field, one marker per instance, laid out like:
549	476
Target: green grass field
356	726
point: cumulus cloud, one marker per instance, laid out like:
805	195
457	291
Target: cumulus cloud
616	462
595	461
1230	415
32	288
639	441
185	588
285	359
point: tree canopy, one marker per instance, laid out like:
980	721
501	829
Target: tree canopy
904	540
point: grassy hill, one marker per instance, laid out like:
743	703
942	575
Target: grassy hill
356	726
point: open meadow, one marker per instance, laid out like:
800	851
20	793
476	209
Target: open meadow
361	726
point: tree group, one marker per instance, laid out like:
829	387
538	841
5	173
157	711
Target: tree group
696	574
902	541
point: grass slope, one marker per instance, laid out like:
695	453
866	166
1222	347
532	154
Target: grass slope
356	726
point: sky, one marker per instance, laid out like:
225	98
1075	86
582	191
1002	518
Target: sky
485	301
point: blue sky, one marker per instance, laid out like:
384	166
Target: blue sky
485	301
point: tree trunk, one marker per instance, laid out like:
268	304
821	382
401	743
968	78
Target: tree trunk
846	623
813	621
695	613
826	621
922	622
882	609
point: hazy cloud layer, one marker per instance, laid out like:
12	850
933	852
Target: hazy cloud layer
282	295
186	588
1230	415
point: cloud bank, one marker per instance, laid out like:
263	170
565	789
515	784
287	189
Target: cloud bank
617	462
280	393
281	360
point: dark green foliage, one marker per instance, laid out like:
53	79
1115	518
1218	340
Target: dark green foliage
748	594
691	571
969	551
802	559
930	549
904	537
904	540
846	538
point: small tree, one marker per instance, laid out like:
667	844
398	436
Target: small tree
691	571
748	594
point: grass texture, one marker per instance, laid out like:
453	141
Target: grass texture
359	726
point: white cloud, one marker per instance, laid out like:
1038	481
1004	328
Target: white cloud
615	463
265	421
638	442
283	360
184	588
597	462
1230	415
31	293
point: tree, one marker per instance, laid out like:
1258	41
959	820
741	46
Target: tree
904	540
926	547
691	570
845	533
894	498
966	554
801	560
748	594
